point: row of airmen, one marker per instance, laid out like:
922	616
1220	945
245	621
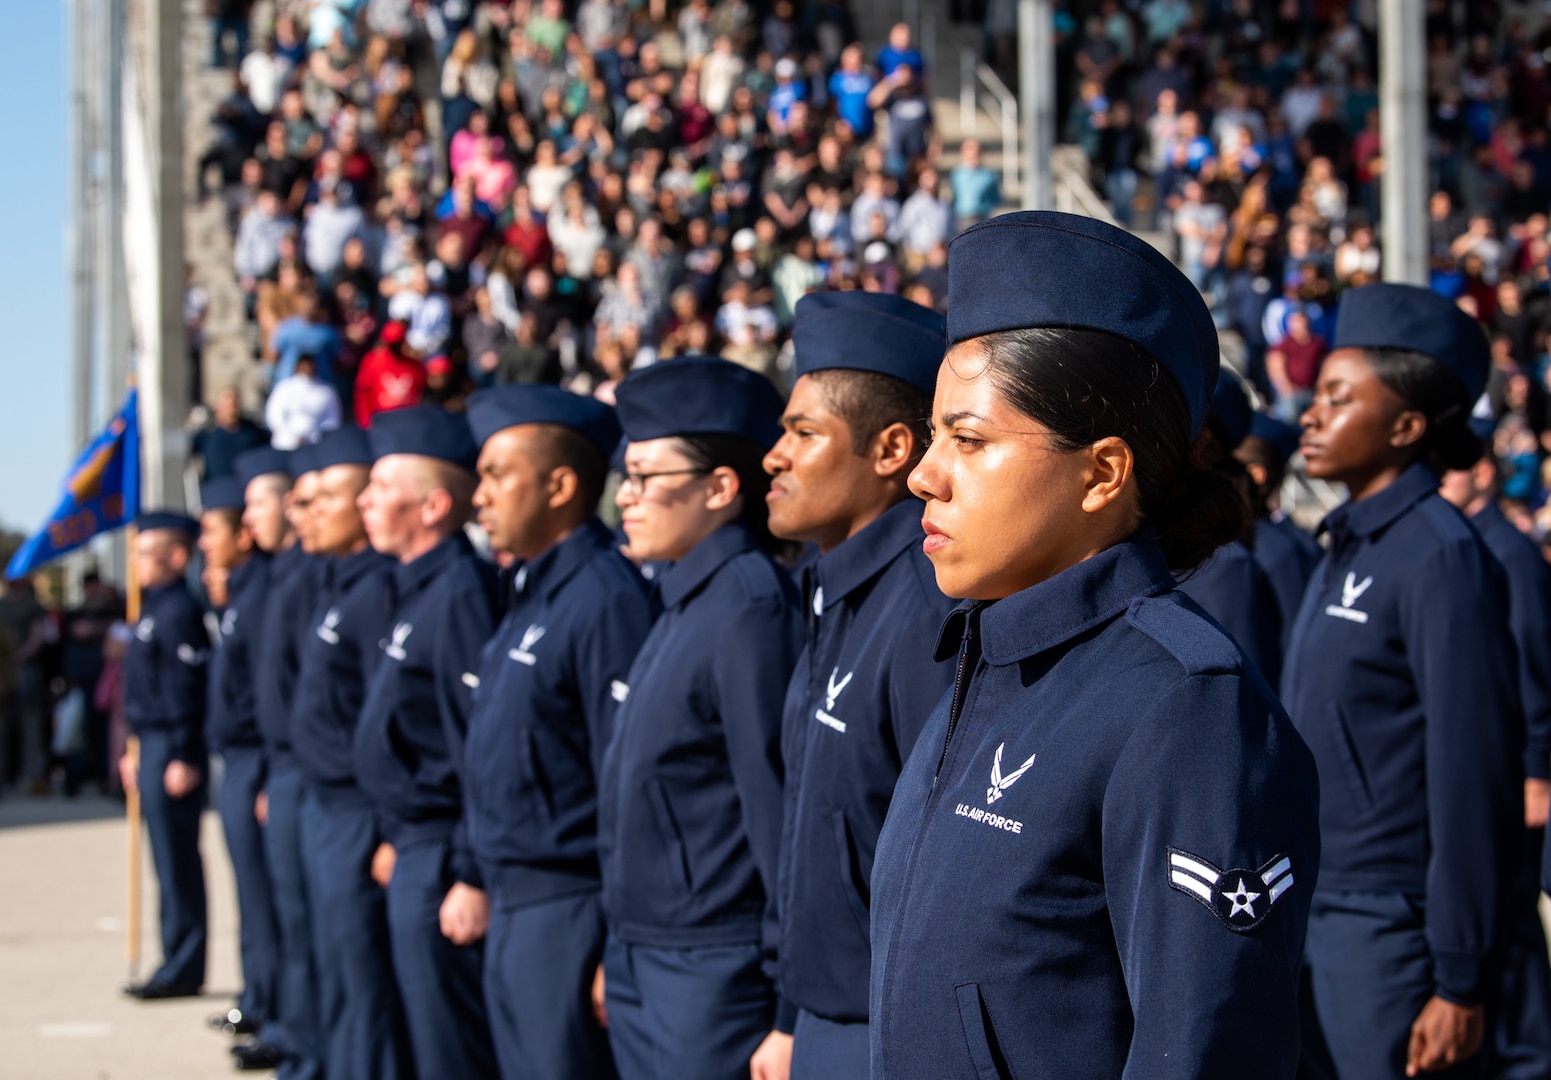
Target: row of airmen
992	782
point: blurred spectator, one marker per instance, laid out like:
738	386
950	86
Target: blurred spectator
227	435
389	378
301	407
977	190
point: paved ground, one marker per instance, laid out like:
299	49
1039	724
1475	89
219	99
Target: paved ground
62	952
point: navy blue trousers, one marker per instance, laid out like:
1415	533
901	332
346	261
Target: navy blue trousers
1371	971
826	1050
1519	1031
686	1014
539	965
441	984
297	1032
173	826
366	1037
257	937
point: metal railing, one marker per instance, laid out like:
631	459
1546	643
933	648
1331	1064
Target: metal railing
979	85
1073	193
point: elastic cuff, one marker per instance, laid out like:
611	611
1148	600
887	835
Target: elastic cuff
785	1016
1460	977
1537	763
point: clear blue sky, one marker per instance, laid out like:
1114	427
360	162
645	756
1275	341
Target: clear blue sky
35	437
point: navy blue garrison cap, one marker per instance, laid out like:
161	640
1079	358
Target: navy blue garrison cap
223	493
1231	407
167	519
304	459
342	446
699	395
1389	316
863	331
261	461
1283	438
501	407
1038	268
424	431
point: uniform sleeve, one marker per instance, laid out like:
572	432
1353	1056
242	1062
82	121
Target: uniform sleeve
754	662
1529	609
185	662
468	624
1210	851
1464	663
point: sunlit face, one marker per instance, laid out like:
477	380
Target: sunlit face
1003	507
224	546
1347	431
393	504
159	558
298	508
512	501
264	515
335	521
674	508
815	473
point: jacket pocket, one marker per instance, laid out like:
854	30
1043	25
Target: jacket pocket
669	832
1345	750
977	1032
847	874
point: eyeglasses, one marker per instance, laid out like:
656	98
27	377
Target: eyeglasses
636	482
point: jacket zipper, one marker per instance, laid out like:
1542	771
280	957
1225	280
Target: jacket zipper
957	704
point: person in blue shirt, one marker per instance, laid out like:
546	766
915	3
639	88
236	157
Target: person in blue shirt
275	515
790	88
165	671
1284	551
361	1015
867	680
1401	676
899	52
849	87
1099	857
231	729
409	740
547	688
1520	1038
689	814
1231	586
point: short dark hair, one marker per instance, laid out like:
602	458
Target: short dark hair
1439	395
1086	385
869	402
745	457
568	447
232	515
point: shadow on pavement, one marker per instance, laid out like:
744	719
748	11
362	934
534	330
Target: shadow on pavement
18	811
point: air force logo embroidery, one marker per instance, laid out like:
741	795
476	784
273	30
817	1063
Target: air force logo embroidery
191	656
395	648
145	629
619	691
832	691
229	623
1351	592
1000	783
523	653
1241	899
329	631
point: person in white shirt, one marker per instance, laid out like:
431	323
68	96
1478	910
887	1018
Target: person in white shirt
264	72
301	407
428	314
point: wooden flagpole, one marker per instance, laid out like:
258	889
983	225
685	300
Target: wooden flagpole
132	793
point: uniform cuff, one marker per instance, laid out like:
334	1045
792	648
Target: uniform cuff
1460	977
1537	763
785	1015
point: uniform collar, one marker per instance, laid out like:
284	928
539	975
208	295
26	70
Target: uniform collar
1489	517
161	592
247	574
850	565
1366	517
412	575
1055	611
684	577
346	571
544	575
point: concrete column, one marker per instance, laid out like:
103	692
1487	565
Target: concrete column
1403	114
1037	99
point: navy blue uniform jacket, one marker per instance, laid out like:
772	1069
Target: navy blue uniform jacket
1099	858
409	739
861	692
690	801
1529	616
1401	676
232	717
339	650
549	683
293	590
1232	588
165	671
1288	555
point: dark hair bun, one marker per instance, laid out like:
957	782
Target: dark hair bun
1453	445
1205	511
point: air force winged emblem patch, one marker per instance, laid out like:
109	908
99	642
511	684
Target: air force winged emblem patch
1000	783
1241	899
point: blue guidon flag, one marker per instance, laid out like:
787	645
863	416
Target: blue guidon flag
101	493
